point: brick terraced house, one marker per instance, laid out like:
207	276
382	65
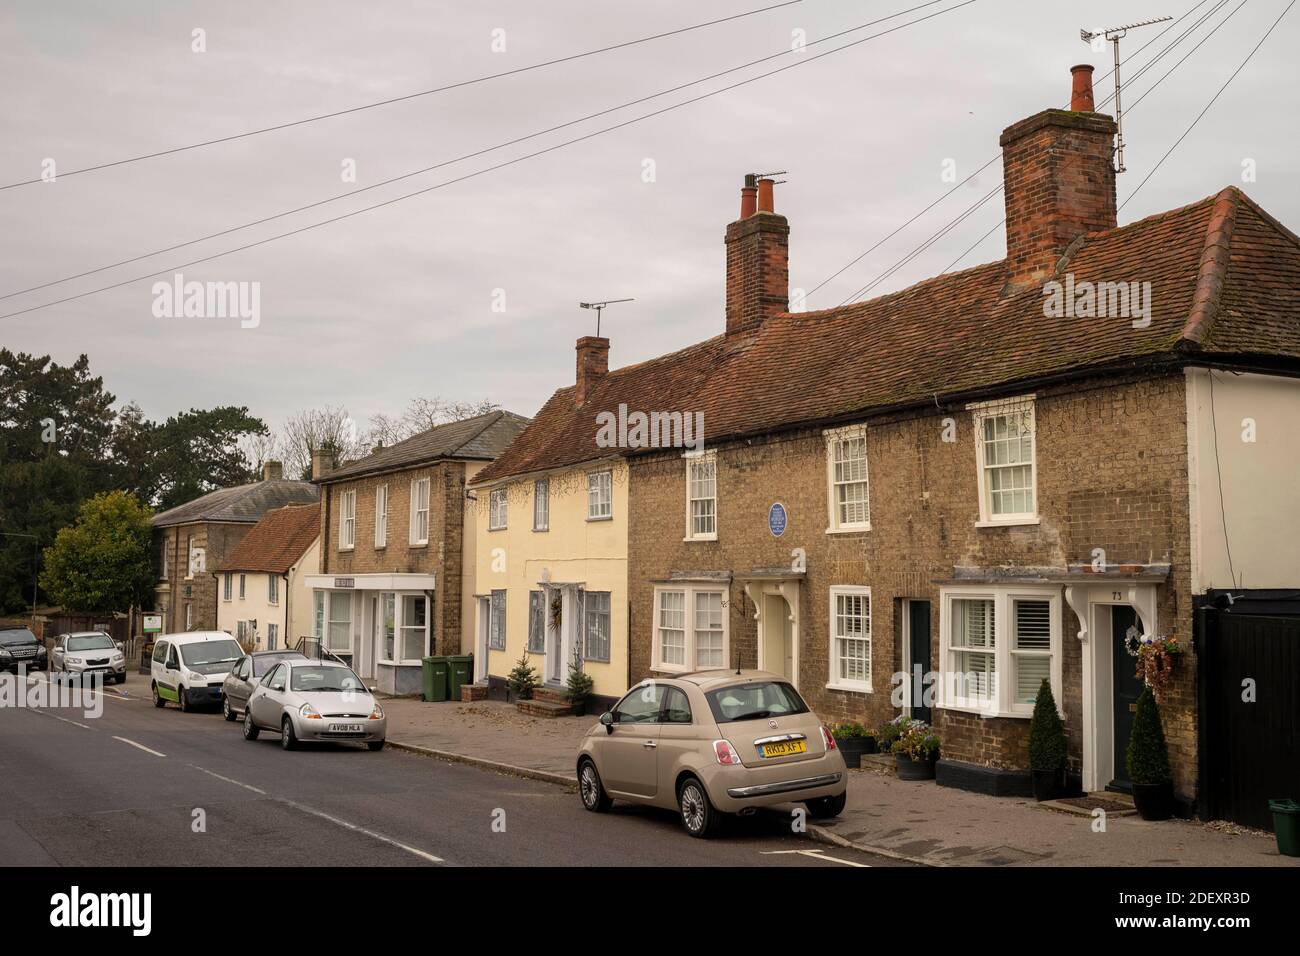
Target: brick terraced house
397	545
964	482
200	535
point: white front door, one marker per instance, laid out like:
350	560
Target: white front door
778	637
481	641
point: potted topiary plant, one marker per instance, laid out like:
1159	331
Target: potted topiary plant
1148	762
1047	746
916	751
853	740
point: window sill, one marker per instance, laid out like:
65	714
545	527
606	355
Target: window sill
851	688
418	544
342	549
381	547
491	529
983	711
541	530
700	537
601	518
849	529
672	668
1007	522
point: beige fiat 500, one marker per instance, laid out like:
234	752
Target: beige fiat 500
712	743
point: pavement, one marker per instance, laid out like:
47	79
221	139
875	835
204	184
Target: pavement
912	821
134	785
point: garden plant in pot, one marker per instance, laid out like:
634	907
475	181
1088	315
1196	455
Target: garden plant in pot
888	735
1148	762
1047	746
853	740
916	751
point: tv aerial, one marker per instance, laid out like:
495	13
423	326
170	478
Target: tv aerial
600	307
1114	35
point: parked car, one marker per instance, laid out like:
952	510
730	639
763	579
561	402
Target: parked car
88	652
712	743
244	676
20	646
190	668
315	700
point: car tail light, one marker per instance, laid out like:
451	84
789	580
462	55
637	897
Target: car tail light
726	753
829	738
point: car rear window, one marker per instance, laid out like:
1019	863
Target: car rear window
754	700
264	662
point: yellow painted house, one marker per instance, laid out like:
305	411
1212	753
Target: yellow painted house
551	564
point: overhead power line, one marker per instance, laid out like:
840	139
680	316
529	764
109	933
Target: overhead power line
549	149
458	159
409	96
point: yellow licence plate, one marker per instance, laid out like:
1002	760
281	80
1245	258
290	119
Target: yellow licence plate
784	748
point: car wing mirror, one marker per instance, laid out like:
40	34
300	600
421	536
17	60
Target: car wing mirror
607	720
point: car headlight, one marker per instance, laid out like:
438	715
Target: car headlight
118	657
377	713
75	660
4	652
307	710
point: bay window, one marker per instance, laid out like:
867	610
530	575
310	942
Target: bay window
414	628
997	644
690	628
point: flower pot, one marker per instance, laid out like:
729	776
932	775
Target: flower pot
909	769
852	749
1154	801
1048	784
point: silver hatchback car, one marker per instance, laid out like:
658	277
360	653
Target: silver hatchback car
317	701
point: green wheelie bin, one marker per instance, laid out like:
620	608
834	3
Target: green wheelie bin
460	670
435	678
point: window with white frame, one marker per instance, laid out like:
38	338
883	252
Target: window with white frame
690	628
498	509
272	589
497	622
338	634
536	622
381	516
243	586
702	498
388	608
1004	440
420	511
596	608
542	504
997	646
318	615
228	587
413	628
600	495
848	495
189	559
850	636
347	520
272	636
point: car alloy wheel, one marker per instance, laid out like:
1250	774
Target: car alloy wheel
593	793
287	739
698	816
226	712
158	698
250	728
180	697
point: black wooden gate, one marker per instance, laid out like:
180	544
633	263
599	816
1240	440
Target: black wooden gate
1250	750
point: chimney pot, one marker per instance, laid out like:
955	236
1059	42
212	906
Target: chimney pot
593	363
1081	88
765	196
272	471
758	259
748	201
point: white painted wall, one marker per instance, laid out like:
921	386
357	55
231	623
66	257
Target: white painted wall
292	611
1258	482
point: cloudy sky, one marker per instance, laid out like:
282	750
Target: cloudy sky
398	302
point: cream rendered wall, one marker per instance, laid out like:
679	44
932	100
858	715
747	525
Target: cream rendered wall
575	549
294	601
1258	481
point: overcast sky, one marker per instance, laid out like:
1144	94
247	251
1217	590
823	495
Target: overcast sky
398	302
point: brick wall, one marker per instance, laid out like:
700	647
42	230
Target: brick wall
1112	473
441	557
218	541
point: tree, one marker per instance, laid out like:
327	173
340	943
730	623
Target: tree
313	429
196	452
420	415
103	562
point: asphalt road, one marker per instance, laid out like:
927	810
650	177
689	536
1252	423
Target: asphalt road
141	786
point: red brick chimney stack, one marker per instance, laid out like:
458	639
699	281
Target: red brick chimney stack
1059	182
758	259
593	363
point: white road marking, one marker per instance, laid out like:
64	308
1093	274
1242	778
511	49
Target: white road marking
816	855
140	746
111	695
327	817
229	780
44	713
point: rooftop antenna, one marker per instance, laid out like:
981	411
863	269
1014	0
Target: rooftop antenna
1114	35
600	307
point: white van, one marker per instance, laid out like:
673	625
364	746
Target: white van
189	669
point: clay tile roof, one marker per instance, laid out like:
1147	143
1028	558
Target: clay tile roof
1225	280
243	504
277	542
482	437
